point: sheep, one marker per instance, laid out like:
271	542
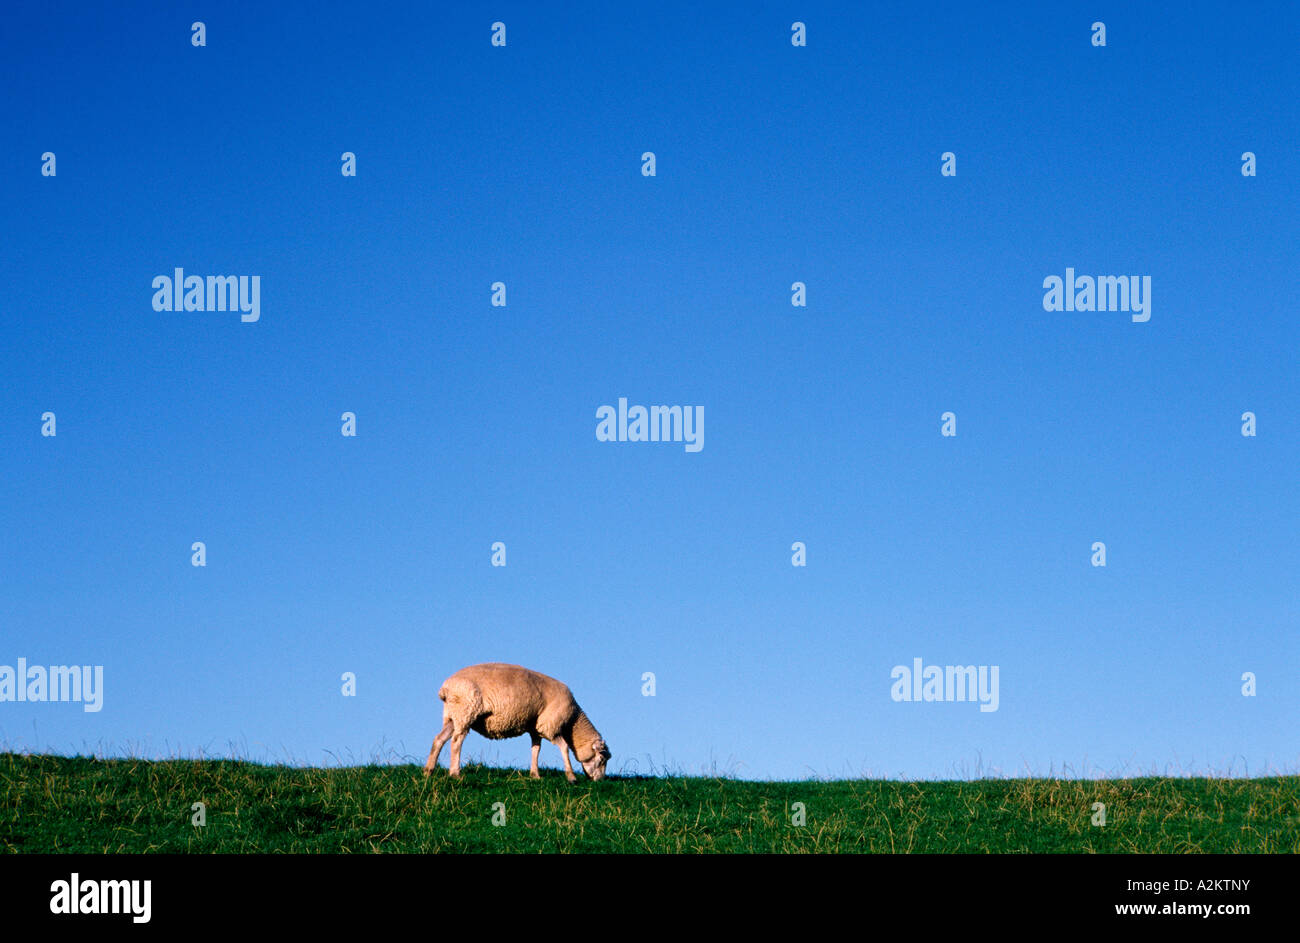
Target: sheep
500	701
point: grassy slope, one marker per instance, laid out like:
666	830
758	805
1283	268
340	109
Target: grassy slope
75	804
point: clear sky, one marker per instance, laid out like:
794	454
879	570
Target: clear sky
774	164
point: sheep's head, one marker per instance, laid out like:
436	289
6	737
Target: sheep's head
595	763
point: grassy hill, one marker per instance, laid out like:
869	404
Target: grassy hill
50	803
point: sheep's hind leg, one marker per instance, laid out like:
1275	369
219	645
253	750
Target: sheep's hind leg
563	744
432	763
537	748
457	738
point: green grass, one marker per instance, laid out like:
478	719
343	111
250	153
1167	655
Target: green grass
62	804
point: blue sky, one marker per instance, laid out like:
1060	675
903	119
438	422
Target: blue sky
476	423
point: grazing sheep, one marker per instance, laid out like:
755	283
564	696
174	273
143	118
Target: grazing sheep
502	701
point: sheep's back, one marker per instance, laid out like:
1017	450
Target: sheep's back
511	700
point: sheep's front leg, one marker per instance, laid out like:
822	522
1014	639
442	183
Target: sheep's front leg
537	748
432	763
563	744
